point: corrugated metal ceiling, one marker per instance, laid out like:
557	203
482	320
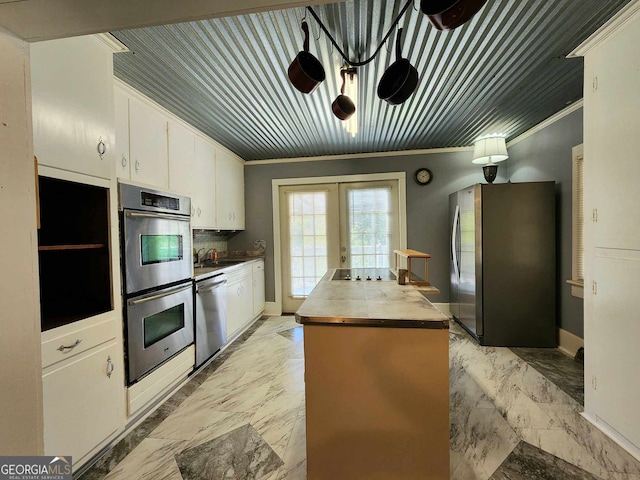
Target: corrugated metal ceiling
504	71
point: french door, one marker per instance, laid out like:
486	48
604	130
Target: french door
337	225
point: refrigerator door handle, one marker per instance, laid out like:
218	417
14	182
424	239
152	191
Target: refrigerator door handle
454	233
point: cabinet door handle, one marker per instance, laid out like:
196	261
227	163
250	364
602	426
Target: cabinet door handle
193	211
110	366
102	148
199	211
124	161
64	348
137	165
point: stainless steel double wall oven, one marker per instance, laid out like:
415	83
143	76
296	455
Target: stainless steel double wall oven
157	260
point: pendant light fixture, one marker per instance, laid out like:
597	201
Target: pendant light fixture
351	89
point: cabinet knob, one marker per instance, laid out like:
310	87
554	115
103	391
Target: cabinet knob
110	366
102	148
124	161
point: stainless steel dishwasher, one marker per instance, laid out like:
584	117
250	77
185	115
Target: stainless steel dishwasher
211	316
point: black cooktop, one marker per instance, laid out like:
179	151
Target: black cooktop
363	274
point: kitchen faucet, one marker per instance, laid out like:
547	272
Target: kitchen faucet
197	256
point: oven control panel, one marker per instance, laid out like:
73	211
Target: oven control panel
160	201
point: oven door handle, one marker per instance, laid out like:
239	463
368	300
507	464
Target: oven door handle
157	215
160	295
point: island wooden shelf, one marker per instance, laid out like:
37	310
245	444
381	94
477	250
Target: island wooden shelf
409	255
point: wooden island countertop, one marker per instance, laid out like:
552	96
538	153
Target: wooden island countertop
369	303
376	382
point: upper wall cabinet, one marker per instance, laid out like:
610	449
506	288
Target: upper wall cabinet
181	158
229	191
203	194
154	147
72	88
121	113
148	145
612	103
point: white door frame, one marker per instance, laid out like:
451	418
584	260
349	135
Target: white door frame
276	183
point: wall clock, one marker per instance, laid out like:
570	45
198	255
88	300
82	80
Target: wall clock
423	176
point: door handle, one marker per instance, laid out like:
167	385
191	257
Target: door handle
160	295
454	232
64	348
157	215
110	366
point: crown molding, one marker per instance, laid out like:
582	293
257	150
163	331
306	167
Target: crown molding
545	123
629	13
115	45
354	156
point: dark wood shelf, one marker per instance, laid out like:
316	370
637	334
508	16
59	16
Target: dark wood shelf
86	246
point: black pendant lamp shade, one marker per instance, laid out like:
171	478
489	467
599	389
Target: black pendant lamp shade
450	14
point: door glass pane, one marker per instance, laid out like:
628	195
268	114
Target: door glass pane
308	240
369	221
161	248
163	324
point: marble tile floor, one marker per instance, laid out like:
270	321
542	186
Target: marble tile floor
243	417
561	369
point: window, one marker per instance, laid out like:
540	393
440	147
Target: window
307	240
577	269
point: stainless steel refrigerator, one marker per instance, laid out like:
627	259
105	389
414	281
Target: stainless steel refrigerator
503	263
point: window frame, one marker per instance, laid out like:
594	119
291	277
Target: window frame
577	222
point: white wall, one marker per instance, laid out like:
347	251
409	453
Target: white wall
20	364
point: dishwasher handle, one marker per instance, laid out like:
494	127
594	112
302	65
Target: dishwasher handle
210	284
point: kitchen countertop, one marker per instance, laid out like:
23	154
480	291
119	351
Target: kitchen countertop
201	273
369	303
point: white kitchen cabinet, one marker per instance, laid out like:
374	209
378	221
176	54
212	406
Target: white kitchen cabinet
203	193
258	286
148	145
181	158
83	402
72	94
121	114
239	299
612	103
615	353
611	229
229	191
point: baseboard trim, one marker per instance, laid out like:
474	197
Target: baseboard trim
272	309
568	343
613	434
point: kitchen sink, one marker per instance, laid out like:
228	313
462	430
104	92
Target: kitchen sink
217	263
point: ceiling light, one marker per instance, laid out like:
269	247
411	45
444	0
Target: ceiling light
351	90
488	151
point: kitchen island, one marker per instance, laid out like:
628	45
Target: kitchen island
376	382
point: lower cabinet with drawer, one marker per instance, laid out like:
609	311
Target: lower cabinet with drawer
83	391
239	299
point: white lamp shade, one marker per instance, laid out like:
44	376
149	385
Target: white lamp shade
489	150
